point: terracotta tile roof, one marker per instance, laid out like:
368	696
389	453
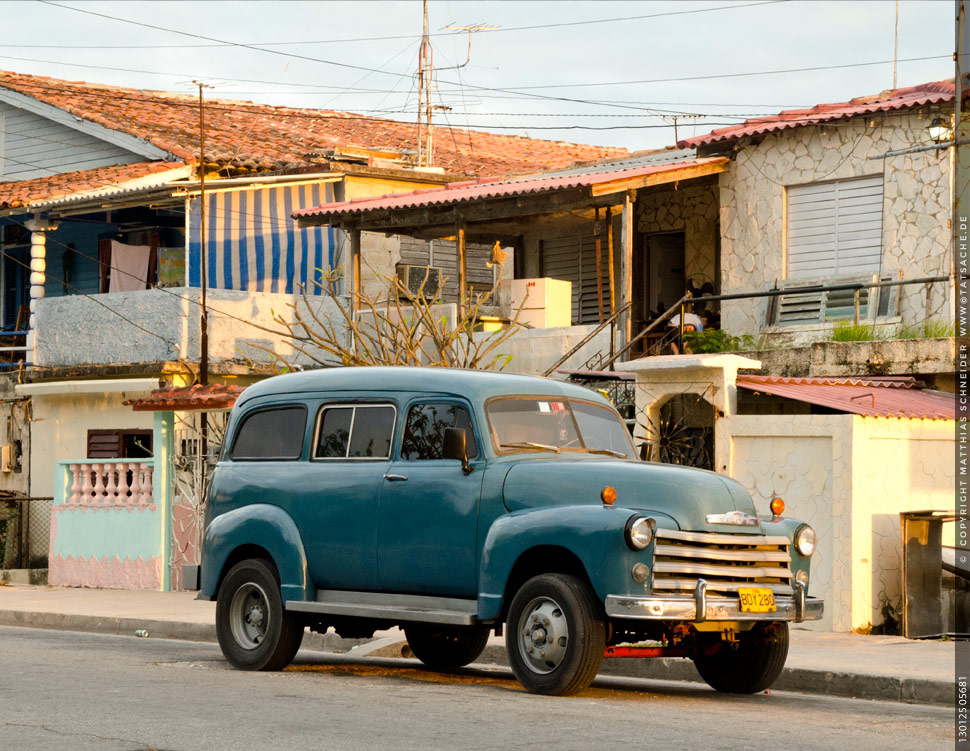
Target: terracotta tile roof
264	137
891	99
171	399
477	190
17	194
872	397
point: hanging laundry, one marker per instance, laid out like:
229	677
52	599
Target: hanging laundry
129	267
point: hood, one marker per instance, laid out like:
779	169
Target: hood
686	496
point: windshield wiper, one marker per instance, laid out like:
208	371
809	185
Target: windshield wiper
606	452
529	445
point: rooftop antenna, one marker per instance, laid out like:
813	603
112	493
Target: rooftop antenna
426	83
896	44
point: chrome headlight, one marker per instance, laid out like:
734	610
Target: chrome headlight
805	541
639	532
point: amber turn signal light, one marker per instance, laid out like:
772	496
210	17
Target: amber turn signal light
608	495
777	506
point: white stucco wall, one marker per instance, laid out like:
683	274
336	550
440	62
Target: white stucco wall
163	325
60	427
916	240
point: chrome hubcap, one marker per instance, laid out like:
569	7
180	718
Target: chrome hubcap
249	615
543	635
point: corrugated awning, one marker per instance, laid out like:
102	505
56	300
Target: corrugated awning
870	397
218	396
598	183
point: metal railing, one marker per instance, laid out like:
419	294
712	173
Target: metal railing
25	532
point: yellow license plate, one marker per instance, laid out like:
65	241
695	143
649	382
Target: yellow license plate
756	600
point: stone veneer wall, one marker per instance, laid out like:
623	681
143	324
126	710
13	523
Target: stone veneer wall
692	210
916	239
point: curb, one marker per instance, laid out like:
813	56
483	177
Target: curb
798	680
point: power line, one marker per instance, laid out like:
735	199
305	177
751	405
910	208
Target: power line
504	29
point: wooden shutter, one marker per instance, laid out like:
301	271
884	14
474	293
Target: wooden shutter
573	259
835	228
104	444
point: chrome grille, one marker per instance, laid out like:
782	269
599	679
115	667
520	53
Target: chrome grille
724	561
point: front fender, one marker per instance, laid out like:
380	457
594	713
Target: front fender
594	534
265	526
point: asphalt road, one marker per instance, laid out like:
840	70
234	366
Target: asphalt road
81	692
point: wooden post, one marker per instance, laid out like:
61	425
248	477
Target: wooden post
626	267
599	264
462	266
609	254
354	268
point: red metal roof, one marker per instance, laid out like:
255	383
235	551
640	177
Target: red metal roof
475	190
171	399
891	99
871	397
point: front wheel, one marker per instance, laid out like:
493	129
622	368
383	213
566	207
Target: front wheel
751	665
446	647
555	635
254	631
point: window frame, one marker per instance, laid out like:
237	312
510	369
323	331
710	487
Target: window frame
352	405
439	400
267	408
493	438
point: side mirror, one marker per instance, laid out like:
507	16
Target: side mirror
454	448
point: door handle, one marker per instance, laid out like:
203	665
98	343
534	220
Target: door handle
395	478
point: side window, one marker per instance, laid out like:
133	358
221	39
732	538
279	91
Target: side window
361	431
424	433
275	433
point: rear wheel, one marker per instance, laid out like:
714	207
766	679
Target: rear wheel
555	635
254	631
751	666
446	646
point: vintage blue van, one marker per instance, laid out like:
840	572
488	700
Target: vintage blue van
456	503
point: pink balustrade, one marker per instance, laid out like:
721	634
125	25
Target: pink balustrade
126	484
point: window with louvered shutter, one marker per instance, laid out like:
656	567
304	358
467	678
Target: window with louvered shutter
573	259
835	228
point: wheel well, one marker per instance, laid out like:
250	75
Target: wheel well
243	553
545	559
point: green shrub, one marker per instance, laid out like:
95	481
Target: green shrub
927	330
846	331
710	341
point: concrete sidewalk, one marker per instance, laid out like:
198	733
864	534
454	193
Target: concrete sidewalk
888	668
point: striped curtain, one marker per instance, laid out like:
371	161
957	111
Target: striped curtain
252	242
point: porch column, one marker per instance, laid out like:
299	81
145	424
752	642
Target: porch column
354	268
626	267
39	228
462	265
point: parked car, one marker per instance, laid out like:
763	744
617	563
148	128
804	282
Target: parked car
456	503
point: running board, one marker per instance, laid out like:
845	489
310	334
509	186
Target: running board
392	607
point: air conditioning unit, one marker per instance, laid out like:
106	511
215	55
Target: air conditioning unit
424	281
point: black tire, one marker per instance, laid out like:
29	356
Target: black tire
255	632
751	667
558	617
446	647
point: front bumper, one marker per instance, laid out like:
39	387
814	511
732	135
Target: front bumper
702	607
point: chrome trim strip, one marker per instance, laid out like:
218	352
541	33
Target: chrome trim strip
747	556
722	539
700	600
392	607
713	569
686	608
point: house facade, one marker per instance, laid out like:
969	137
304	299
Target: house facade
111	251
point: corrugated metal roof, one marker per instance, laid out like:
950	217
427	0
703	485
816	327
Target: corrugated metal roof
871	397
892	99
218	396
473	190
637	160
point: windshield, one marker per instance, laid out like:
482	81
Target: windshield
557	424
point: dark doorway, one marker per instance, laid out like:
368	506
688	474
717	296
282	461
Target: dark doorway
661	281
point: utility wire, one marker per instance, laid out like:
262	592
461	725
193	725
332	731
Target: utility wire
504	29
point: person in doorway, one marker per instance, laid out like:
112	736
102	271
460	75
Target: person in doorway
692	322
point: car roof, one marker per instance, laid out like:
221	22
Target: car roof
476	385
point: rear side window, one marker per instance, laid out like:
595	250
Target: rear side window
275	433
360	431
424	433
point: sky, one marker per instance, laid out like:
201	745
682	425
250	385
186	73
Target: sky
608	73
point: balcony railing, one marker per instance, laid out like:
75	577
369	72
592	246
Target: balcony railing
111	482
